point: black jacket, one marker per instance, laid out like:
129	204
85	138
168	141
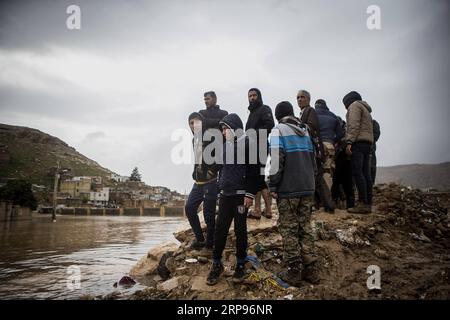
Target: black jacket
207	172
260	117
237	177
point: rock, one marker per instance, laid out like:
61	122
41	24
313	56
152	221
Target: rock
127	281
191	260
170	264
180	257
149	264
199	284
162	269
168	284
381	254
202	259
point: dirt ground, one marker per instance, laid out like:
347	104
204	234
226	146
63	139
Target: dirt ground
407	236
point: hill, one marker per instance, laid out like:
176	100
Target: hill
32	154
420	176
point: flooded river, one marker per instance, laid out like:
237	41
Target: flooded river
40	259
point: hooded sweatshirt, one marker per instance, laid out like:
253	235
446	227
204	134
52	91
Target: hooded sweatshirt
293	164
237	176
260	117
359	123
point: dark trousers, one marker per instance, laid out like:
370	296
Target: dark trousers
373	167
322	194
206	193
231	207
343	180
361	170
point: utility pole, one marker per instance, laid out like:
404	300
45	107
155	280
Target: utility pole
55	192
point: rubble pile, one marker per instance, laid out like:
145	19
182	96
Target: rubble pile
407	236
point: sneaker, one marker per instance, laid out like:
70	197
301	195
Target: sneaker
292	275
360	208
197	245
239	273
214	274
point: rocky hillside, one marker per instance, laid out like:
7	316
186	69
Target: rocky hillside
407	236
420	176
32	154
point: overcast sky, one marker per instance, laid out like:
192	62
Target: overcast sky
118	88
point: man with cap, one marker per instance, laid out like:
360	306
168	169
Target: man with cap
291	182
331	133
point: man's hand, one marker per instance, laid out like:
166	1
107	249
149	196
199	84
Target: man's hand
274	195
348	149
248	202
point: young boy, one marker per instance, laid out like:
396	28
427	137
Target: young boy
237	185
291	183
204	190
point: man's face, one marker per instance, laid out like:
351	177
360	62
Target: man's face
252	97
302	100
210	101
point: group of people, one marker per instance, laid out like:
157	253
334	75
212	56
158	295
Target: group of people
315	159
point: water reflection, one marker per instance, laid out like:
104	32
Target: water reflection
35	254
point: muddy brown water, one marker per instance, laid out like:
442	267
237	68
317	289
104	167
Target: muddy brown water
44	260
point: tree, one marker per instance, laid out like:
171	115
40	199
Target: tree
135	175
19	193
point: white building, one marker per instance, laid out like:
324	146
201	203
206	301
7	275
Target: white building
119	178
99	197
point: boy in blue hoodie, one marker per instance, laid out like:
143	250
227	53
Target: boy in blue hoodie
237	185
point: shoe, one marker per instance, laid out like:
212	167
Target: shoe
360	208
197	245
239	273
214	274
292	276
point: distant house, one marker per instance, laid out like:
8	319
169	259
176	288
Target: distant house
119	178
76	187
100	196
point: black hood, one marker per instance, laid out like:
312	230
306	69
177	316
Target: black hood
321	104
351	97
232	121
258	102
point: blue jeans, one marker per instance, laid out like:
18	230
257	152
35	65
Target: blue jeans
360	160
206	193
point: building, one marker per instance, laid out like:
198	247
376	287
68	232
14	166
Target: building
100	196
119	178
77	187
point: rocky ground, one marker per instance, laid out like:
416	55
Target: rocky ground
407	236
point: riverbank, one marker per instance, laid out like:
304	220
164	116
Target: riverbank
406	236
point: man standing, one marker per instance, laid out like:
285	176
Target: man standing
359	140
260	118
291	182
331	133
205	175
308	116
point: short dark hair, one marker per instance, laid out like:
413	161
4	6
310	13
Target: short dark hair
210	93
